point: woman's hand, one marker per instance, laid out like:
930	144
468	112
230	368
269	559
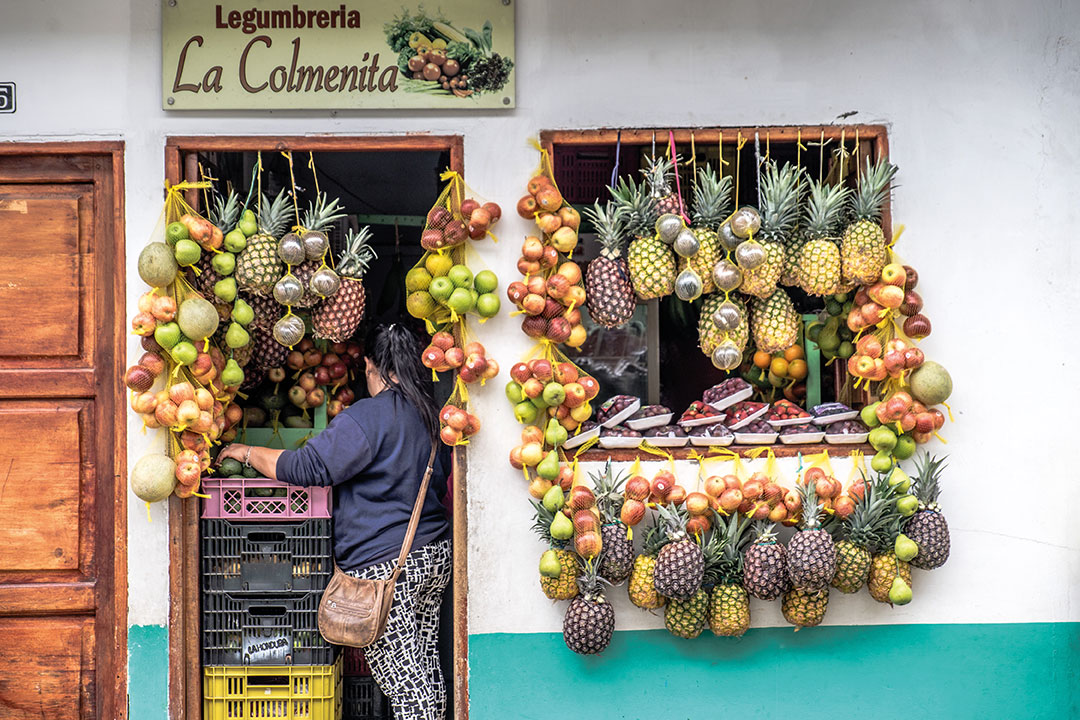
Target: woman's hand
236	451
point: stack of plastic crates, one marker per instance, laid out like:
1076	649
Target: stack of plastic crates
266	557
361	697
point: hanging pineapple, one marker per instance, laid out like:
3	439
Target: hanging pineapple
864	249
714	328
774	322
610	294
337	317
711	197
780	189
651	262
818	263
258	266
318	282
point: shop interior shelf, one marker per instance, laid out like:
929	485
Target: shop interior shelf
284	438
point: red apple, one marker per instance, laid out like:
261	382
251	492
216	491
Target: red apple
455	356
541	369
520	372
516	292
592	387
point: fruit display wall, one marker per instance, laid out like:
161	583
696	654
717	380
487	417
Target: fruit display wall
979	108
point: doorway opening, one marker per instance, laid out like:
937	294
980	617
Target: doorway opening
387	184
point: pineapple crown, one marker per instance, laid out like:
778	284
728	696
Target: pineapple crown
607	486
869	522
653	539
733	531
811	506
542	526
358	253
640	209
321	213
867	201
274	214
610	221
712	553
712	194
824	209
658	172
673	522
764	532
590	584
780	190
928	471
224	212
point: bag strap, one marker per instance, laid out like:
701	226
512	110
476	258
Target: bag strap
414	520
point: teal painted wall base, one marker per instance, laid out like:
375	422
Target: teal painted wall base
148	672
1010	672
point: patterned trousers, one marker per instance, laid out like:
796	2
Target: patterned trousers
405	660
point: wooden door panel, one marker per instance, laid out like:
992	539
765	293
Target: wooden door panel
42	485
48	668
45	307
63	591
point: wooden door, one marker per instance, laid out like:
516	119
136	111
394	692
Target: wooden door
63	584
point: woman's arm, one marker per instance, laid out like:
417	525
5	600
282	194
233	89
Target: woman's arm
264	460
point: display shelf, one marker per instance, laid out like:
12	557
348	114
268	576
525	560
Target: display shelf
598	454
285	438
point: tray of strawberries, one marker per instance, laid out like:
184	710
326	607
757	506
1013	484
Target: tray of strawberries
784	412
700	413
743	413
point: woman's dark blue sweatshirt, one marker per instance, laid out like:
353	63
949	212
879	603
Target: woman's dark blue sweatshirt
374	454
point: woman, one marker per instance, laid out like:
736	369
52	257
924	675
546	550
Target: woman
374	454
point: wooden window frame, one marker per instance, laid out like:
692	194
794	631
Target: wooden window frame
110	525
873	140
185	658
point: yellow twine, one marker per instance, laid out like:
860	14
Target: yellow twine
292	181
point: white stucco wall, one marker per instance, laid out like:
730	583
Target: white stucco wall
982	101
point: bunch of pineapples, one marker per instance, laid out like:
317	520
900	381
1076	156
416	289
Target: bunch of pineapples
617	558
811	564
258	266
864	247
927	527
818	261
729	604
780	191
642	585
712	198
564	585
687	618
589	621
862	532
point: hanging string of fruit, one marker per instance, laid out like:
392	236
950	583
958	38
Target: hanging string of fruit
182	343
442	290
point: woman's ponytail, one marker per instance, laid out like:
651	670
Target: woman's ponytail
396	351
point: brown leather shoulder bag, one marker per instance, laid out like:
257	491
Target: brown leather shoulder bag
353	610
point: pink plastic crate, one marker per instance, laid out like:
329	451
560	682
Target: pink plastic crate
263	499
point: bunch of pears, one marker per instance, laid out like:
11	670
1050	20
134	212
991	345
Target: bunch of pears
832	335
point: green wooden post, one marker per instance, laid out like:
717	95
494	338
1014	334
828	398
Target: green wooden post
813	364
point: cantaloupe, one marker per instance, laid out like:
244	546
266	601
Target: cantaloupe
198	318
153	477
931	384
157	265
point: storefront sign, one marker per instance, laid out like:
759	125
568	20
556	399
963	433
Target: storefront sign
7	97
259	55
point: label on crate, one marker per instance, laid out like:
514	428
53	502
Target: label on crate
262	649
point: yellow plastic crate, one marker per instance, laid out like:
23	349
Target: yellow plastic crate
283	692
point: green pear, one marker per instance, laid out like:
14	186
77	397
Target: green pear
225	289
167	335
554	394
550	565
561	527
242	312
907	505
556	434
900	479
868	415
553	499
232	375
224	263
905	447
900	592
525	412
236	336
184	353
248	224
882	438
905	548
513	392
549	466
881	462
235	241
